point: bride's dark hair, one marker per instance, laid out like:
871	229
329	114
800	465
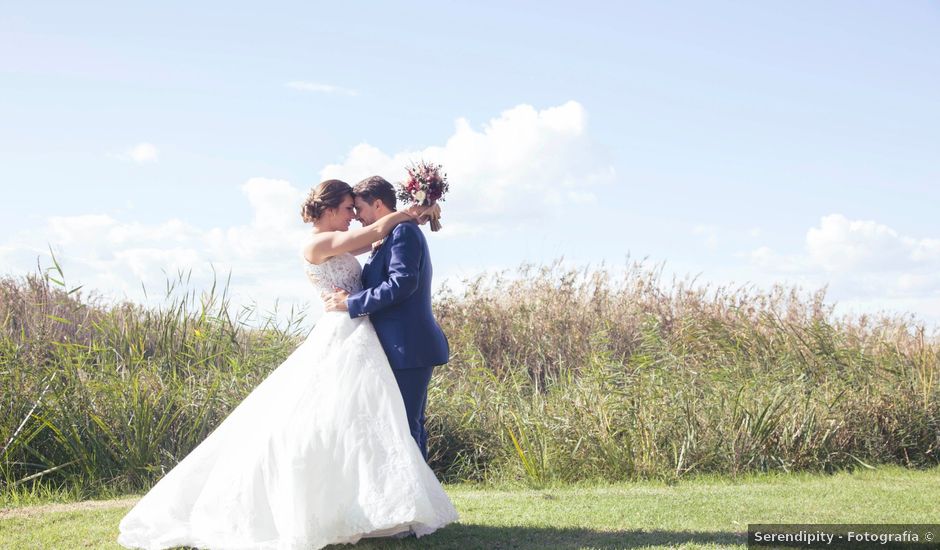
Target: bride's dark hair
326	195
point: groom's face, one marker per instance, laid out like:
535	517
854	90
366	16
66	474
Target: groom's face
365	212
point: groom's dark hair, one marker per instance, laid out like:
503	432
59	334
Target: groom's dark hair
376	187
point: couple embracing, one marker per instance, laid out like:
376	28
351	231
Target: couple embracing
331	446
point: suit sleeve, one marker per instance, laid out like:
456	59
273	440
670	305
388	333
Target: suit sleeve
403	271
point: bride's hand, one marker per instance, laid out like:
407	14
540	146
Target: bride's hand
428	213
423	213
415	210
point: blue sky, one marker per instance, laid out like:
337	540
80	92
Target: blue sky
760	142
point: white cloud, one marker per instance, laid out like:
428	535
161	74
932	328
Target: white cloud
172	231
320	88
520	166
766	258
926	250
840	244
143	153
709	233
68	229
6	254
915	283
275	227
146	262
868	266
275	203
118	258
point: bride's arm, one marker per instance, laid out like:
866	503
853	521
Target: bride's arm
422	214
359	240
362	250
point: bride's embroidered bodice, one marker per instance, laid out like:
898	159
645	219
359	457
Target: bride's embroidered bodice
342	271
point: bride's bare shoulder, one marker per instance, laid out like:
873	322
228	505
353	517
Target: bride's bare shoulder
318	250
313	249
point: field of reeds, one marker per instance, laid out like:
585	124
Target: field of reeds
557	375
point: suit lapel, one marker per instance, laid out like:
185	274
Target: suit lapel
376	261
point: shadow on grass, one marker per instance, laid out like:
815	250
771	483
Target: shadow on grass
487	536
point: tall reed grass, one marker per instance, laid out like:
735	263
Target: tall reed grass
104	396
557	374
568	374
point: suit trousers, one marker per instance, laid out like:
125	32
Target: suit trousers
413	384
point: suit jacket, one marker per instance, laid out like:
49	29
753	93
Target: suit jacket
396	295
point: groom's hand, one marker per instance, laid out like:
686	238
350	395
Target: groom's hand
336	301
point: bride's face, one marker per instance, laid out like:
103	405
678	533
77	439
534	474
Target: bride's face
342	215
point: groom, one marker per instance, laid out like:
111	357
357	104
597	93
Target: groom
396	295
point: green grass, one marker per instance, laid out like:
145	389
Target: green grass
701	512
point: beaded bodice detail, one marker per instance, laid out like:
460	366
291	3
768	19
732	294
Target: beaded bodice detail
342	271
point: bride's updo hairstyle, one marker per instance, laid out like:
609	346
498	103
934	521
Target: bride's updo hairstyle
329	194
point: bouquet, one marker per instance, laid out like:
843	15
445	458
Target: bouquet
426	185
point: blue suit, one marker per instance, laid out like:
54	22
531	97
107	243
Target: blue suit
396	295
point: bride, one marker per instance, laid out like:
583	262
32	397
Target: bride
320	452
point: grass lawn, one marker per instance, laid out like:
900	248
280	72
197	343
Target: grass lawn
699	513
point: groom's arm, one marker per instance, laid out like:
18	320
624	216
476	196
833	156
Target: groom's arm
403	272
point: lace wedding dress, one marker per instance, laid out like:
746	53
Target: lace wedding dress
319	453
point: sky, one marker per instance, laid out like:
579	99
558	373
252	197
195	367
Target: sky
739	143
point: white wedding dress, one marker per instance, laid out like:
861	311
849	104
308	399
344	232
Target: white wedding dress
319	453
